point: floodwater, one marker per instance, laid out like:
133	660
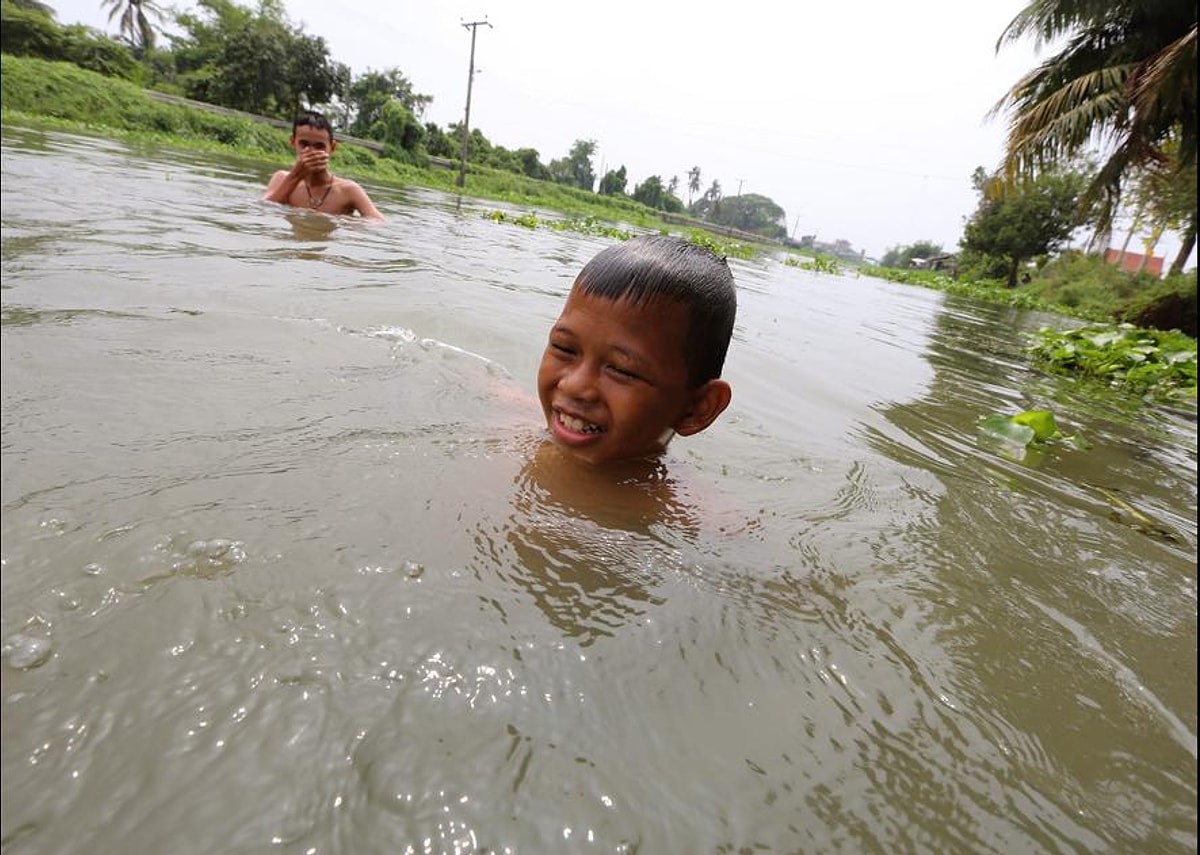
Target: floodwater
286	567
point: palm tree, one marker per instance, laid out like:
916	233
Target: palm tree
134	23
1125	77
693	183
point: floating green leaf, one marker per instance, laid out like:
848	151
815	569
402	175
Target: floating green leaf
1013	436
1042	422
1006	430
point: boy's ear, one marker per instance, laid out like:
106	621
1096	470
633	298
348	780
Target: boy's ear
332	145
708	402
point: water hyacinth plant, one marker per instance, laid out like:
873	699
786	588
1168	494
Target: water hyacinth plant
1158	365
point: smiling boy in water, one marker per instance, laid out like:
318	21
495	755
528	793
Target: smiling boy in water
636	355
309	183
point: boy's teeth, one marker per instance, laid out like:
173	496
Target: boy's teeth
578	425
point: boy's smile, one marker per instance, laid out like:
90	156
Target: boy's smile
613	380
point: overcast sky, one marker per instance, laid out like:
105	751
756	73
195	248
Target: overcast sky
862	119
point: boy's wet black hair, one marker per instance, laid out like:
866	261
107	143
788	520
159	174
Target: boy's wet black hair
665	267
312	119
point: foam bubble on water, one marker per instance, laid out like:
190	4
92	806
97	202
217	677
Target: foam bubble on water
203	557
398	334
25	652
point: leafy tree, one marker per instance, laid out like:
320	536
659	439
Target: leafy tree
898	256
438	143
370	91
576	168
1126	73
247	76
399	131
752	212
613	183
531	165
1016	223
91	49
252	60
673	186
337	108
311	75
28	28
135	21
650	192
30	31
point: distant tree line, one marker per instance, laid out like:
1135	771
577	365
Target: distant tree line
257	61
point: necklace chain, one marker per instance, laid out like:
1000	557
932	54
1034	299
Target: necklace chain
313	202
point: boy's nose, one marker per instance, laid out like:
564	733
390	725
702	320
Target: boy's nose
579	381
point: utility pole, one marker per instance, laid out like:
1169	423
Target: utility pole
462	162
740	181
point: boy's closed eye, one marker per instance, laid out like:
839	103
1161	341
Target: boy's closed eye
624	373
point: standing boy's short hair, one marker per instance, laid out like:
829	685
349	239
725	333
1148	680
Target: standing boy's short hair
312	119
654	267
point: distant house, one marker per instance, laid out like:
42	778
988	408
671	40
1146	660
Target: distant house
1134	262
947	262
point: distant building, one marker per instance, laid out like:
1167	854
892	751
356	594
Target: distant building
1134	262
947	262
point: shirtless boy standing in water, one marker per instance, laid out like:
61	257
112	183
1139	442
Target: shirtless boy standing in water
309	183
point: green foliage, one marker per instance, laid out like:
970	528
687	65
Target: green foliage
992	292
1016	223
136	20
584	225
708	206
399	131
95	51
651	192
531	165
1087	283
66	91
1124	74
1161	365
752	212
576	168
819	264
370	92
614	182
822	264
725	248
902	256
1017	435
30	31
252	60
437	142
